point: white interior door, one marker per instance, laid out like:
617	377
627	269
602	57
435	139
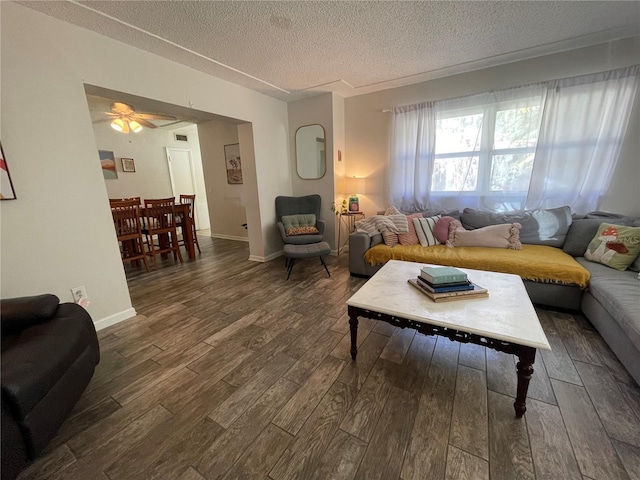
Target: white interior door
183	181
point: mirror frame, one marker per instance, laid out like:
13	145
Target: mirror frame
324	165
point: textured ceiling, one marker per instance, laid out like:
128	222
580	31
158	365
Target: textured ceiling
291	49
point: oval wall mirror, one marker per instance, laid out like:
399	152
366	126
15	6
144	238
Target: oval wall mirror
310	152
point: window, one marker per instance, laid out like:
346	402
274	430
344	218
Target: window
537	146
486	150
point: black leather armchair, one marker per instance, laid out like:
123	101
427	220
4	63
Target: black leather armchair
49	353
296	206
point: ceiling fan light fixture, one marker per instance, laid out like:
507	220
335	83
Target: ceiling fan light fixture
118	124
135	126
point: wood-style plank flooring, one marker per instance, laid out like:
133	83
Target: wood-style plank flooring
230	371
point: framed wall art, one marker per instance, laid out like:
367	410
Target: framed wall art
108	162
128	165
6	185
232	161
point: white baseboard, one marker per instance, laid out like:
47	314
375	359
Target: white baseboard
277	254
230	237
115	318
268	258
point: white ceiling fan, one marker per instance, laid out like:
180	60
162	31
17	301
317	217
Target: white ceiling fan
124	118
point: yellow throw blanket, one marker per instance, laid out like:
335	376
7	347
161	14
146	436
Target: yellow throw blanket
539	263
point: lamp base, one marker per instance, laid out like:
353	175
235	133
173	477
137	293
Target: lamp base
354	203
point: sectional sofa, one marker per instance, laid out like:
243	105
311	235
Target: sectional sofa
551	264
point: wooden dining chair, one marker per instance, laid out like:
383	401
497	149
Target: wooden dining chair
126	220
191	201
124	199
161	222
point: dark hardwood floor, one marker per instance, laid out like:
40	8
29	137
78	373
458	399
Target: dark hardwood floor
230	371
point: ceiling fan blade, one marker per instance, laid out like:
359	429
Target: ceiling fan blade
103	120
120	107
145	123
154	116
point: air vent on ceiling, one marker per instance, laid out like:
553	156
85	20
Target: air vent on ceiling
181	138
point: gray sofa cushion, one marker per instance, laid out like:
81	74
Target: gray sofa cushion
444	213
618	292
539	227
582	232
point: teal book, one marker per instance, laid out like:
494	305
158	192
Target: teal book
439	275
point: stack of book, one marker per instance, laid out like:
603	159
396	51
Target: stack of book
445	284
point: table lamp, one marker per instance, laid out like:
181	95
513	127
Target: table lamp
355	185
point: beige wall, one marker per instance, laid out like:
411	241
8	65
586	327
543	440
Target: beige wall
58	234
309	111
368	128
339	169
226	202
151	178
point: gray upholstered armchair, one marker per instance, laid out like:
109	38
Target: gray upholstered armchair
309	204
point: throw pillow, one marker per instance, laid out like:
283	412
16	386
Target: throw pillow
425	230
635	266
301	220
538	227
411	237
498	236
582	231
392	211
301	231
615	246
390	238
442	228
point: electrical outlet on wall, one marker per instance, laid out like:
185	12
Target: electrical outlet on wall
79	294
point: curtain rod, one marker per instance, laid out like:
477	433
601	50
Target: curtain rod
545	82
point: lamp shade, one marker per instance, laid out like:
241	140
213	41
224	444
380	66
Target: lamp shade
355	185
135	126
118	125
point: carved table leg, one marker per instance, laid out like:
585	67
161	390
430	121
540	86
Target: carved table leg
353	327
527	356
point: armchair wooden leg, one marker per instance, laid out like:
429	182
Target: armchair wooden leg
291	262
325	266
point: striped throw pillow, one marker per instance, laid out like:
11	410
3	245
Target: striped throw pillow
390	238
425	230
410	238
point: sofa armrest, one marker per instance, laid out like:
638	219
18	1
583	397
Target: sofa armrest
19	313
359	243
320	225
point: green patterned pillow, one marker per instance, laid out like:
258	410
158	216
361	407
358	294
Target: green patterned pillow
302	220
615	246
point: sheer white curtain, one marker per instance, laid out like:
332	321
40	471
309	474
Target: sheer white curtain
413	141
571	155
583	125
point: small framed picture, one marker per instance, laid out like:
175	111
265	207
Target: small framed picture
128	165
6	185
234	166
108	162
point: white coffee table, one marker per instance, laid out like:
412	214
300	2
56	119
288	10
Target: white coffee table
505	321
